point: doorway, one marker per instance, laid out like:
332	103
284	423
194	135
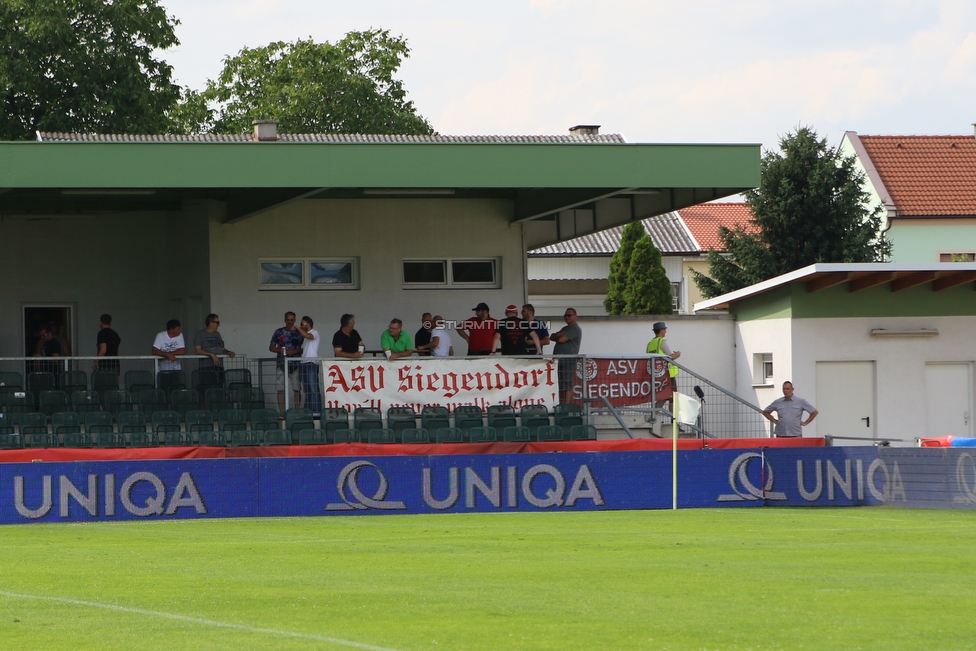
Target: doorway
61	320
948	398
846	399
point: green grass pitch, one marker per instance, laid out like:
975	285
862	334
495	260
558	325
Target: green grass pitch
750	579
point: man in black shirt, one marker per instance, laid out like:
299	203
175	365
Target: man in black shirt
422	338
514	334
107	344
346	342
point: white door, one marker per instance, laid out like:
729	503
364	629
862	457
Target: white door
948	396
845	399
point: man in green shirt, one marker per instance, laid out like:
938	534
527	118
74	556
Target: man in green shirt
395	342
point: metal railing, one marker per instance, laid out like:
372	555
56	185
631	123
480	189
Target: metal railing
723	414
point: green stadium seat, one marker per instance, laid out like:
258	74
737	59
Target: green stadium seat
32	422
136	381
165	421
102	381
131	422
237	378
217	400
99	422
277	437
249	399
501	416
312	437
169	381
334	418
566	416
205	379
10	381
8	423
42	440
467	417
245	437
18	402
184	400
483	434
415	435
72	381
177	437
381	435
517	434
150	401
401	418
230	420
551	433
11	441
449	435
263	419
41	381
213	438
84	401
297	419
143	439
110	440
53	401
115	401
199	420
433	418
367	418
346	435
78	440
64	422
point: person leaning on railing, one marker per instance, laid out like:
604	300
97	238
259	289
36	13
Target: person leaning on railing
568	341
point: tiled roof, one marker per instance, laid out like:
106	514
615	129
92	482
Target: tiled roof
667	232
610	138
704	221
926	175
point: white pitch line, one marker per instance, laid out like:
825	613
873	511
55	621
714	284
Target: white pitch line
200	621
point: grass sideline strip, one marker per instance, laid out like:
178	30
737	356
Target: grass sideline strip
693	579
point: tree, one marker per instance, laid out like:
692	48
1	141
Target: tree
308	87
84	65
810	207
620	267
648	288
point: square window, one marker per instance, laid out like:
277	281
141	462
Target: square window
425	272
481	272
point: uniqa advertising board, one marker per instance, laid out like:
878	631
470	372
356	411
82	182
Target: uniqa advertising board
303	486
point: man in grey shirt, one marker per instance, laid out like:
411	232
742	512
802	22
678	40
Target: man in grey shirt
209	342
790	410
567	343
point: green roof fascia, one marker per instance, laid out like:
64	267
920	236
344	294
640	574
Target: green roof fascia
376	165
794	301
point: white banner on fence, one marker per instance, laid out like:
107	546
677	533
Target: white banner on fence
483	382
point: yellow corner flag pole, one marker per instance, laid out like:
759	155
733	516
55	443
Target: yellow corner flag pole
674	450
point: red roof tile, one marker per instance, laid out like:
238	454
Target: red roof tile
926	175
705	219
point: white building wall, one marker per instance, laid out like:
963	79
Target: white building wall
566	268
707	343
899	362
765	336
381	232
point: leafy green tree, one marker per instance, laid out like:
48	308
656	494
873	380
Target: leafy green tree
84	65
810	207
620	267
308	87
648	289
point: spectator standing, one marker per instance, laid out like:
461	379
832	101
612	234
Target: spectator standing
346	341
287	341
210	343
395	342
310	369
170	344
790	410
50	347
567	343
540	329
440	341
106	345
514	335
479	331
660	346
422	338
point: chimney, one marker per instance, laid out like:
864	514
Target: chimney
265	130
585	130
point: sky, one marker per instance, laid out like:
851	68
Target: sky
745	71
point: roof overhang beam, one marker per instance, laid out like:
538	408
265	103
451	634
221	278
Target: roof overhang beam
828	281
870	280
913	280
953	280
245	206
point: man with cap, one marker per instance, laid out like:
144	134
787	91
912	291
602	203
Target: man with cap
660	346
514	335
479	331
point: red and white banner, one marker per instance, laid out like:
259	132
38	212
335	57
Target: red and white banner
624	381
449	383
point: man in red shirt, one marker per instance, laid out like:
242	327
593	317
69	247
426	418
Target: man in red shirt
479	332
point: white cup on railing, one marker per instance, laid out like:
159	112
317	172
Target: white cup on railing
362	349
389	353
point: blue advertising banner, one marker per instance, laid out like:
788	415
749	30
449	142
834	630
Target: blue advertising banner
301	486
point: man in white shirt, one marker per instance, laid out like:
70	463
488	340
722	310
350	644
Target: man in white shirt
309	371
440	342
170	344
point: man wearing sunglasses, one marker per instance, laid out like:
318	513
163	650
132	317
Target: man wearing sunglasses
567	343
